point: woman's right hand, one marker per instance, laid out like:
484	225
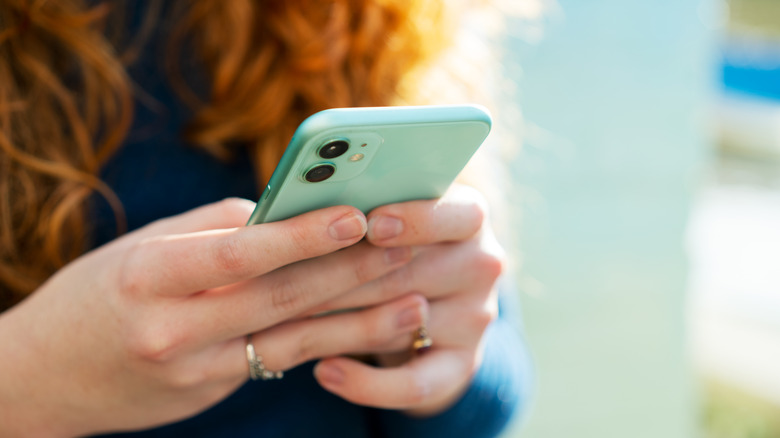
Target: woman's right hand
151	328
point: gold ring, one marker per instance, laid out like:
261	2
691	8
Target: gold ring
257	370
422	342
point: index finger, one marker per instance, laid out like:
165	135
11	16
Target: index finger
192	262
458	215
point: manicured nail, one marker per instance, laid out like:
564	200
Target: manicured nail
410	317
348	227
330	374
384	227
398	254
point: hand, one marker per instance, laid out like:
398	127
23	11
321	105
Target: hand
456	265
151	327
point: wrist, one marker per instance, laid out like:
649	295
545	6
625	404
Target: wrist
27	408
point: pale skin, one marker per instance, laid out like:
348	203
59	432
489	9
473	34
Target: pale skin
152	327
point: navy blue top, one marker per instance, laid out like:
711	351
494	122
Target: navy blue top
156	174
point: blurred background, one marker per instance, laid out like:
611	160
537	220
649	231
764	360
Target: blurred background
649	192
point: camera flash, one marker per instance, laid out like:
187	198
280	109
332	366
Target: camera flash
356	157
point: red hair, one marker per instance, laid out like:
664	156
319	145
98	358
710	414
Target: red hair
270	65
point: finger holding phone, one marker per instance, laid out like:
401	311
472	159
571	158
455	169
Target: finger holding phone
456	266
376	159
153	327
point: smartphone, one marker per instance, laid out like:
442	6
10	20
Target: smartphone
368	157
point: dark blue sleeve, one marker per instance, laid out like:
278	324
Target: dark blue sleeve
497	395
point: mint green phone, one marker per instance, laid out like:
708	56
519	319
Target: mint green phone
367	157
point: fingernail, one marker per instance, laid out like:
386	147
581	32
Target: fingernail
398	254
348	227
330	374
384	227
410	317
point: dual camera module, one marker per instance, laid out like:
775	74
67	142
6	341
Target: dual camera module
329	151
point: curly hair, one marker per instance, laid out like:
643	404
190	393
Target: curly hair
66	101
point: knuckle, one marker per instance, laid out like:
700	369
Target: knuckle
363	270
491	263
477	208
184	377
231	255
483	319
478	213
237	209
471	193
299	234
287	295
298	238
154	343
363	263
234	207
396	283
129	283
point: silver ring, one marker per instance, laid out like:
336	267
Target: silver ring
257	370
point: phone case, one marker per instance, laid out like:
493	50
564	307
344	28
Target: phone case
394	154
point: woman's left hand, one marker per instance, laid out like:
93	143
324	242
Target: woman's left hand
456	265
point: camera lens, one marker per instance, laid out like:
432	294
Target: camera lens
334	149
320	173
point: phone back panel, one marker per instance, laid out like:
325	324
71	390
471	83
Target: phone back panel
395	154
